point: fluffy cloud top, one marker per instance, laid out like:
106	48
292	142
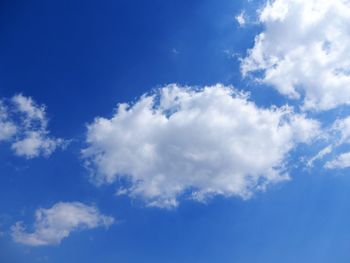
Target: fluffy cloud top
23	123
210	141
304	50
56	223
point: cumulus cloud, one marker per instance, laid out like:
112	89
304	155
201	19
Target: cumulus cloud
209	141
304	51
56	223
23	123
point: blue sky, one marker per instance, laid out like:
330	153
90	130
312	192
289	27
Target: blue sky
226	173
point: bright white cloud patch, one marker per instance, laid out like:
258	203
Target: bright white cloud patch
211	141
23	123
56	223
241	20
341	161
304	50
30	109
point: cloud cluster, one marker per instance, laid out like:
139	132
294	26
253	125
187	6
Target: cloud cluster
56	223
210	141
304	51
23	123
186	142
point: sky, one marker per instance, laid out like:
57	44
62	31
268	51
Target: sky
174	131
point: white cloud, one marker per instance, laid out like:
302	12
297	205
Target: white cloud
56	223
7	128
35	143
339	135
304	51
241	20
341	161
30	109
320	155
23	123
342	129
210	141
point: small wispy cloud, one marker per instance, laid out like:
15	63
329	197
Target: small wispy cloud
241	19
54	224
175	51
24	124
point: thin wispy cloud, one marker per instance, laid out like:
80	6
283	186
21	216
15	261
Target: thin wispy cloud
54	224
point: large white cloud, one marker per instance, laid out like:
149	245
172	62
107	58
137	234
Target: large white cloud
56	223
210	141
304	51
23	124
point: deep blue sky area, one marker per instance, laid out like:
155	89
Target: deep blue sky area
92	55
82	58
